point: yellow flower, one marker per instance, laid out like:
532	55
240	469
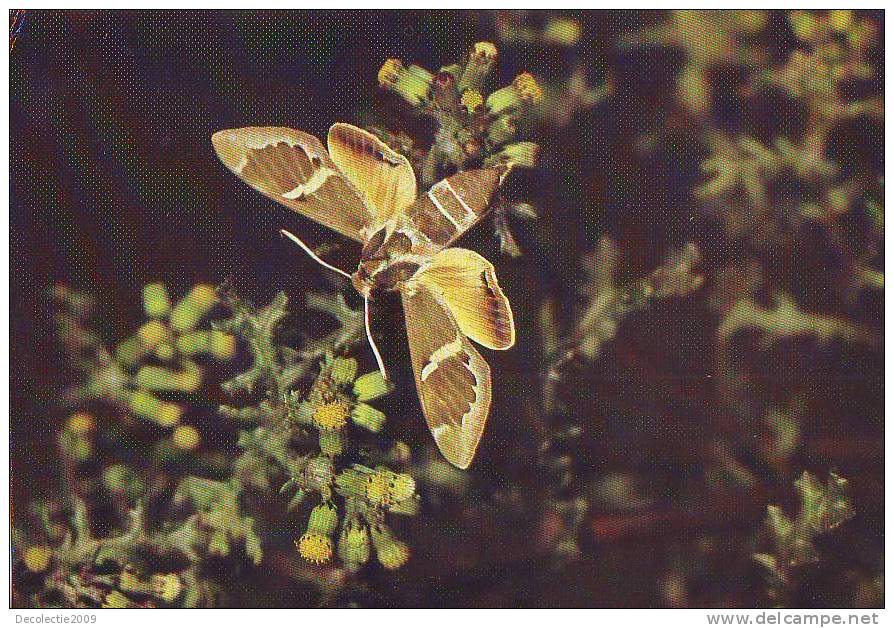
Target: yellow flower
186	437
314	548
81	423
377	490
37	557
471	100
116	599
485	49
840	19
167	586
527	87
331	415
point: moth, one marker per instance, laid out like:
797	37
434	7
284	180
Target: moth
366	191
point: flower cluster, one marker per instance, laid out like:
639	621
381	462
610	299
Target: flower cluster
473	127
144	371
307	439
337	397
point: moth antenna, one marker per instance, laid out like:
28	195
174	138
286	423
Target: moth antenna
372	342
313	255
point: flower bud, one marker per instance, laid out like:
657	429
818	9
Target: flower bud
37	558
331	442
393	554
319	473
354	545
370	386
116	599
368	417
518	154
351	483
501	130
524	90
146	405
166	586
481	62
343	371
411	83
193	307
152	334
156	301
323	519
186	437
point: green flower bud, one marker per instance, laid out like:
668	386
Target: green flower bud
331	442
411	83
156	301
146	405
319	473
524	90
521	154
165	351
159	378
370	386
323	519
116	599
403	487
393	554
354	545
343	371
303	412
194	342
351	483
223	345
129	351
366	416
481	62
193	307
501	130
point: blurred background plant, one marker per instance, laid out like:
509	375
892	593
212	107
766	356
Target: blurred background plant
699	308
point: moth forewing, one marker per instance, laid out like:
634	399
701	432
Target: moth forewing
294	169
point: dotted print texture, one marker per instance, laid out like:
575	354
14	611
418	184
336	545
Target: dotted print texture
698	302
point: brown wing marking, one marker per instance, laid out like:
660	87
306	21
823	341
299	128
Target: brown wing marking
468	285
453	380
453	205
384	176
293	168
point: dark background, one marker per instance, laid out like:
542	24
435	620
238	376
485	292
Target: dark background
114	183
